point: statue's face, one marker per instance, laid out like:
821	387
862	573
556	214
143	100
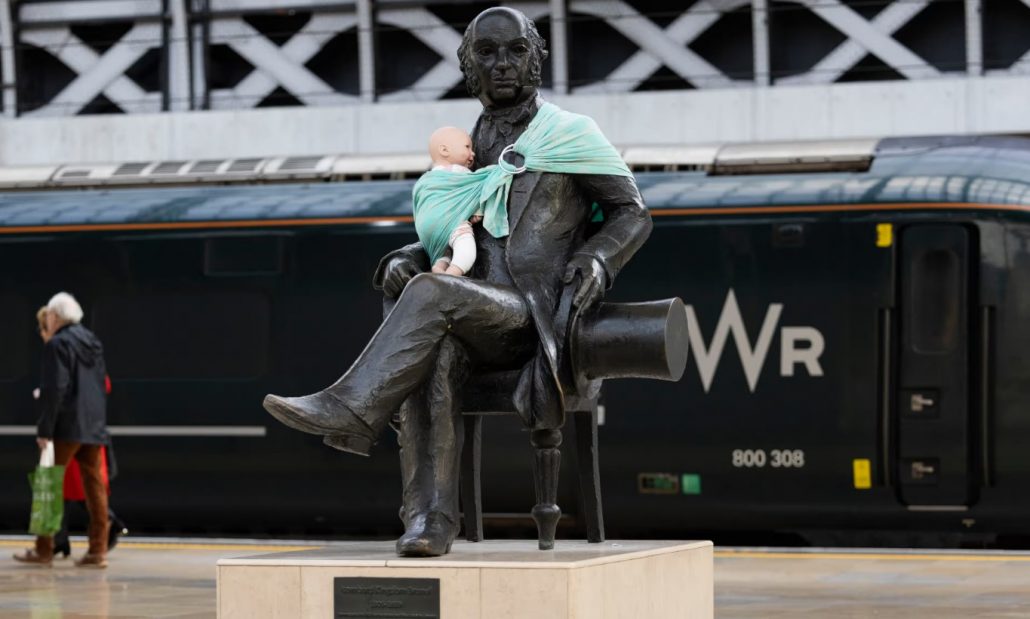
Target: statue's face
502	59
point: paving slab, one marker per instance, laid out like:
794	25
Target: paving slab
176	579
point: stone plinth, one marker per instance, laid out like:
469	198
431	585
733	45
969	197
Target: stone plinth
486	580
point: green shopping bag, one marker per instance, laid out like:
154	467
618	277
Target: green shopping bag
47	483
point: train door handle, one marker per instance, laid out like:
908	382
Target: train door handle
920	470
918	402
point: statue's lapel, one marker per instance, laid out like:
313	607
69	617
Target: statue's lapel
522	187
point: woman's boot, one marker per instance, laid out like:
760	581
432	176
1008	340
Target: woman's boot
117	528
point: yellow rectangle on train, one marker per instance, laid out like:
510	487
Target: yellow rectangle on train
884	235
863	473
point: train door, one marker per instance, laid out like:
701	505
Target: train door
934	464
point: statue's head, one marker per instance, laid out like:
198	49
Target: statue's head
501	56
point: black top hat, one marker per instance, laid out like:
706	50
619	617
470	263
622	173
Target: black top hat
630	340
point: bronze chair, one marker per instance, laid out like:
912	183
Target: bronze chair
618	340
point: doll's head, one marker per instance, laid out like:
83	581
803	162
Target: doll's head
450	145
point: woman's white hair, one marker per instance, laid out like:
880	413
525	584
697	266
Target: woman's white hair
65	307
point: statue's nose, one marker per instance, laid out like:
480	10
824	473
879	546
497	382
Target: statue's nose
503	60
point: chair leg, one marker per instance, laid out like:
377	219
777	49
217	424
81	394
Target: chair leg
546	464
471	490
589	473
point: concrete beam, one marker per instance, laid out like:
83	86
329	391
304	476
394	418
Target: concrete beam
366	51
760	41
178	58
974	37
35	13
7	64
950	105
559	46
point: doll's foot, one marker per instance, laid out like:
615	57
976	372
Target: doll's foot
453	270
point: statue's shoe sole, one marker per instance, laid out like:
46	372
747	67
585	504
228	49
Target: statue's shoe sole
290	417
423	549
351	443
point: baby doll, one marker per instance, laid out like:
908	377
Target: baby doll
451	150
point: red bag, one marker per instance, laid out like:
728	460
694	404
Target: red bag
73	489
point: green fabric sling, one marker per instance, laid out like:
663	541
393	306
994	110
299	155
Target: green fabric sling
555	141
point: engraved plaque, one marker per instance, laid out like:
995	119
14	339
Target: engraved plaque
386	598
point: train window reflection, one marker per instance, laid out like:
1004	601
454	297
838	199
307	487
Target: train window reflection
203	335
936	301
17	321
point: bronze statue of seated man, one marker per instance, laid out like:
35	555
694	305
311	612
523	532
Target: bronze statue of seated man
509	313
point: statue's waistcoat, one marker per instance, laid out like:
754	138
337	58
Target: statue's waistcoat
547	217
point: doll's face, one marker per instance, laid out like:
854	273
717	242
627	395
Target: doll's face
451	145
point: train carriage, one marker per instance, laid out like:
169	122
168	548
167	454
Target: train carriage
857	317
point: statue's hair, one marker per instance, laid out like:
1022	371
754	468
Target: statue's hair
537	49
65	307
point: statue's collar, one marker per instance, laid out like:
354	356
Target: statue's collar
514	115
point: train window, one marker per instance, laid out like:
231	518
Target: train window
17	324
185	336
247	255
936	290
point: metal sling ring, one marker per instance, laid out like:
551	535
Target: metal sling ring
508	167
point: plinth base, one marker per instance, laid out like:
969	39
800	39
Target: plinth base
486	580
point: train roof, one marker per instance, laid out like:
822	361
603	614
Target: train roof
922	172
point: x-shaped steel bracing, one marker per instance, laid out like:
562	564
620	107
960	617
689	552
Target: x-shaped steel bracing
276	66
1022	66
97	73
284	66
864	36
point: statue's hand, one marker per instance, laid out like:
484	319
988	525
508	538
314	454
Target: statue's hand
399	271
592	280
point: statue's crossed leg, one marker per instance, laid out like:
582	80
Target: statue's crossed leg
492	322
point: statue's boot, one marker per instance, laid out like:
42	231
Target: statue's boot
430	433
324	413
427	535
354	410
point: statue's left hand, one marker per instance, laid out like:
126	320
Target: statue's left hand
399	271
592	280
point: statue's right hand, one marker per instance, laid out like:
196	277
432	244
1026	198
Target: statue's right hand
399	271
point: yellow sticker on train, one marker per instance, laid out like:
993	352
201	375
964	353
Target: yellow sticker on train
884	235
863	473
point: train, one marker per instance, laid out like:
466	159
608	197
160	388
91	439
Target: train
858	316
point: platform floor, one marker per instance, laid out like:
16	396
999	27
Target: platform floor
157	578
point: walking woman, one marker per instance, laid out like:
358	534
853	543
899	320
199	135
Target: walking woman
73	415
74	493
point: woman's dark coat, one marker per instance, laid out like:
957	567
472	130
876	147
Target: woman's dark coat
72	397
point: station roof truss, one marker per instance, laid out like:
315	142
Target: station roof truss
86	55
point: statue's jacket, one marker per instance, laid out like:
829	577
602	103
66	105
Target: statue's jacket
549	223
